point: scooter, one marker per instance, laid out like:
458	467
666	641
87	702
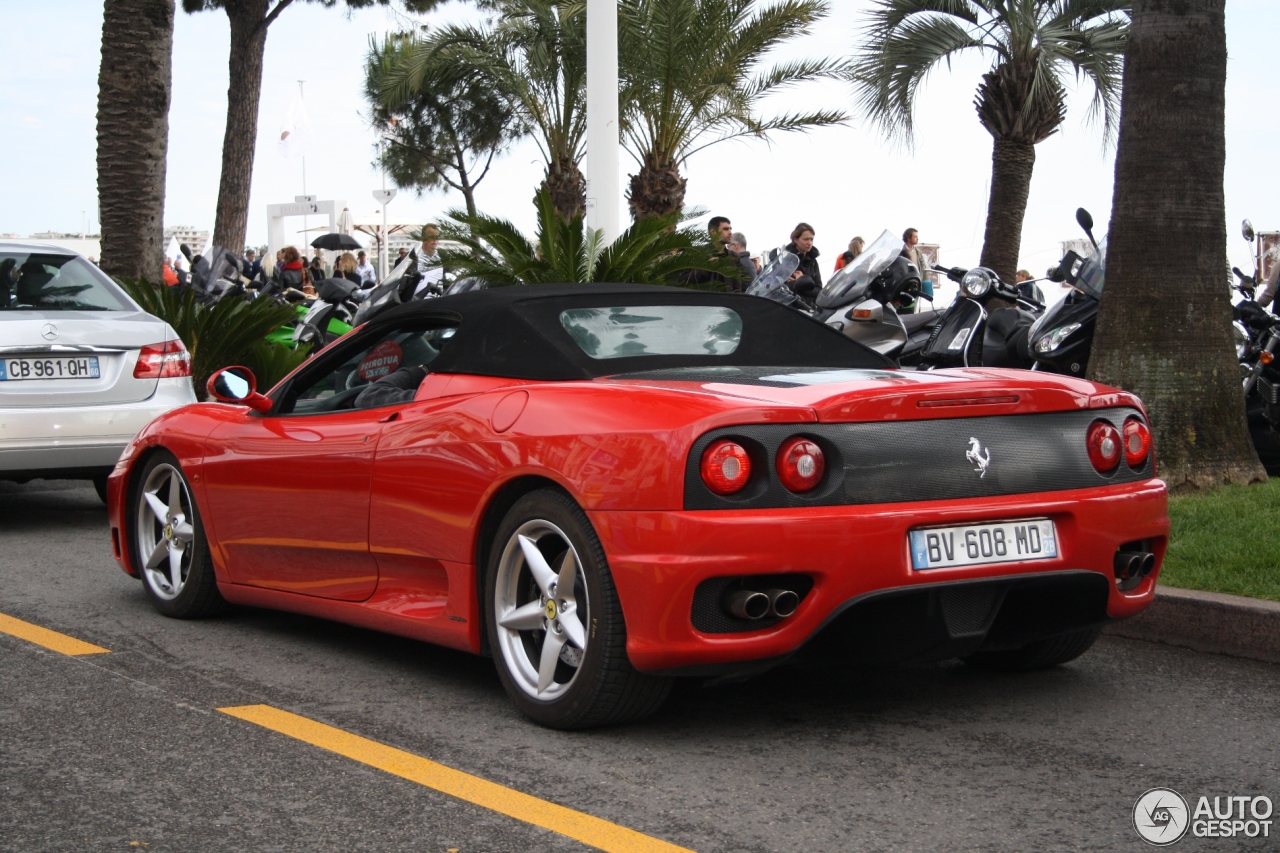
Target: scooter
985	326
331	315
1060	341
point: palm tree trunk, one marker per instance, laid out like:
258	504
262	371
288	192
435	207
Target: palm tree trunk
1164	326
567	187
248	44
134	84
1011	165
657	189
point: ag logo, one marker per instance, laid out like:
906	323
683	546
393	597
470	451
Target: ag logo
1161	816
979	456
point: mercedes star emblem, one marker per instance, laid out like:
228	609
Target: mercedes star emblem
49	332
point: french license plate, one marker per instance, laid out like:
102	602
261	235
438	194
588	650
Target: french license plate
979	544
53	367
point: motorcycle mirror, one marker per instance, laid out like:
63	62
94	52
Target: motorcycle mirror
1086	222
238	385
1246	228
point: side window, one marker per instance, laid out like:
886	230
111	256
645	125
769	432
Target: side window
343	374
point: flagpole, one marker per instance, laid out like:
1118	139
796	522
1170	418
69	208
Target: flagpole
602	117
305	229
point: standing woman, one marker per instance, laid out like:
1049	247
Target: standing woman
292	272
345	267
856	245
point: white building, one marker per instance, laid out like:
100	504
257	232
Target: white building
196	240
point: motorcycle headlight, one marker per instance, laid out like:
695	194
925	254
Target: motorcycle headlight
1054	339
1242	340
977	282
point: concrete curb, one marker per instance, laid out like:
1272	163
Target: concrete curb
1207	622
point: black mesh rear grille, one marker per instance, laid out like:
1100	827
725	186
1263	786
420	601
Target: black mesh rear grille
924	460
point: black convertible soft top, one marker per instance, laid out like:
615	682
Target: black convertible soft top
516	332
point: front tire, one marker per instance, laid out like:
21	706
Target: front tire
555	624
169	545
1040	654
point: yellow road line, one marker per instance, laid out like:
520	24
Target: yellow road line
582	827
49	639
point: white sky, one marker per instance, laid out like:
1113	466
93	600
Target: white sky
844	180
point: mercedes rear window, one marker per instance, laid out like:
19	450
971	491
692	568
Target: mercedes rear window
38	281
626	331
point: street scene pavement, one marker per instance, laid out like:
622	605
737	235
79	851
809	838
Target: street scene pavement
127	749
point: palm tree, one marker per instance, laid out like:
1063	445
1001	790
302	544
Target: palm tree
249	20
1164	326
447	134
654	250
134	84
1033	44
535	56
692	76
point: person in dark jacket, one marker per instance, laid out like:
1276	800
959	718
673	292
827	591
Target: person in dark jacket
293	273
252	266
807	279
722	245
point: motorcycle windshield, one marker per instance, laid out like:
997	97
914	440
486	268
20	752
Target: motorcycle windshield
771	283
851	279
387	292
953	340
1093	271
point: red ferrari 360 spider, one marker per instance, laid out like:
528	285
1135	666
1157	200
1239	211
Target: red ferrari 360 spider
604	486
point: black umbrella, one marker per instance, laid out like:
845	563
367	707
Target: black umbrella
336	242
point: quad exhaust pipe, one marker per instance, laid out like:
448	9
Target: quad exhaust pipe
753	605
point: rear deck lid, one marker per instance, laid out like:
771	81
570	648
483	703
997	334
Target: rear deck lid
859	395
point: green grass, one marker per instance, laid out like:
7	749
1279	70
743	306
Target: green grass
1227	540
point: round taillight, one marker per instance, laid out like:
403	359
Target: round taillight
800	464
1137	442
1104	445
726	467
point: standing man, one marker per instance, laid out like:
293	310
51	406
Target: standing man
400	256
365	270
911	237
720	230
253	266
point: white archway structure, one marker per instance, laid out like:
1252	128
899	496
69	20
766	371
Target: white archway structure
276	214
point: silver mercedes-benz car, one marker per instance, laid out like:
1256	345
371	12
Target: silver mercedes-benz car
82	367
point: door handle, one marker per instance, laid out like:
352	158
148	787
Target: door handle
394	416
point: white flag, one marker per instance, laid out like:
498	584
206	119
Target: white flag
295	132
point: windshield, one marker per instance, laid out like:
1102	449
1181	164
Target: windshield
624	332
1092	274
771	283
862	270
47	282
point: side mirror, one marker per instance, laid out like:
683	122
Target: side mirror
1085	219
1246	228
238	386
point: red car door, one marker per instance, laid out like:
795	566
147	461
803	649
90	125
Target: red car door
288	492
290	501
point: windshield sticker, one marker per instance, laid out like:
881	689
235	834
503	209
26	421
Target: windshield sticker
381	361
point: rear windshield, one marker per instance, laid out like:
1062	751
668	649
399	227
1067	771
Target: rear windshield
46	282
624	331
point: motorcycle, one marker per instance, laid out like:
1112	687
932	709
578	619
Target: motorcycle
401	286
330	316
862	300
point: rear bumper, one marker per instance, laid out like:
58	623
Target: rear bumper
857	554
74	439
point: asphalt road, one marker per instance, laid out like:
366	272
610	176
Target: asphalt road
126	750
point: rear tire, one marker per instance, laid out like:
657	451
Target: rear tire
1040	654
547	581
168	542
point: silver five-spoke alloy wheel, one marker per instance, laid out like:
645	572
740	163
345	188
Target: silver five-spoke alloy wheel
540	608
165	532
